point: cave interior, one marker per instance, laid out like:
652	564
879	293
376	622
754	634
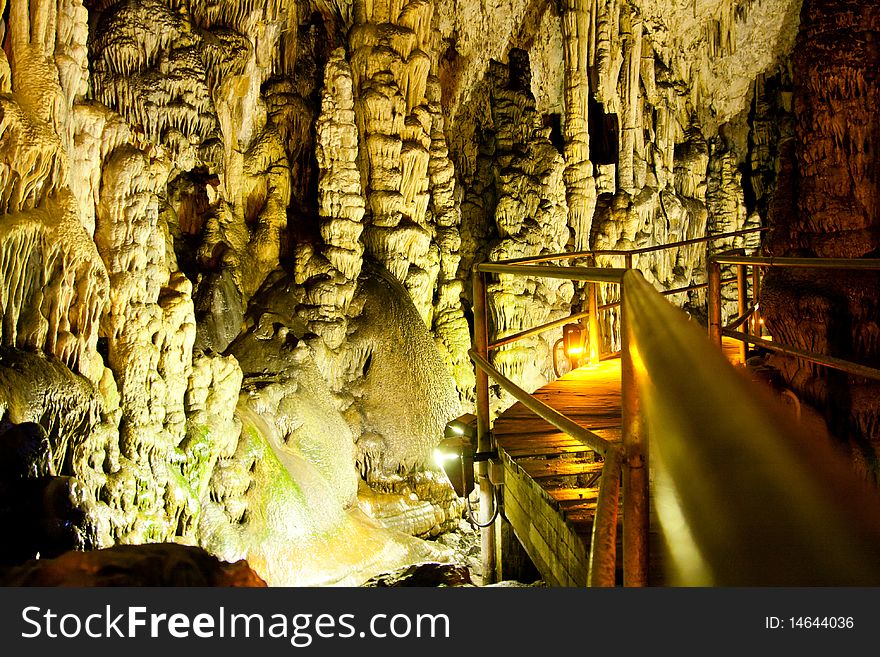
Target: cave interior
238	241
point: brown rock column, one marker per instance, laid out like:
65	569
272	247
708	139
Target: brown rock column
828	205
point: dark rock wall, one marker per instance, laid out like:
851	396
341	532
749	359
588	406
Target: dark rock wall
826	205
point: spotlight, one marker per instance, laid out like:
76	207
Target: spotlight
456	457
456	454
463	425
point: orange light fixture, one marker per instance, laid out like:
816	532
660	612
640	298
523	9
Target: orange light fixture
573	342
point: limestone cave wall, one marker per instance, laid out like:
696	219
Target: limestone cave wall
237	242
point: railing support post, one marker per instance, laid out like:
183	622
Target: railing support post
603	544
756	297
635	465
484	438
742	305
714	301
593	323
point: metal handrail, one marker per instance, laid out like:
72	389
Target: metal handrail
630	252
739	321
508	339
793	513
603	542
809	263
716	331
628	460
585	274
856	369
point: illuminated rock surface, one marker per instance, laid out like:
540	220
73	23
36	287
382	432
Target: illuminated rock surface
237	239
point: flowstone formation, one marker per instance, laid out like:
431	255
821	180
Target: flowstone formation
149	172
238	240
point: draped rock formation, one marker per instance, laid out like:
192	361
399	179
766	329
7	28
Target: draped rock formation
826	206
237	240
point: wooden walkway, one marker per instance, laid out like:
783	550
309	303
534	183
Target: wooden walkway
546	468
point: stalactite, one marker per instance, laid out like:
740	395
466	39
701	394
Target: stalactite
390	70
530	216
630	133
341	208
579	183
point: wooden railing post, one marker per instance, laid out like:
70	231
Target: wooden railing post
635	464
742	304
714	301
484	437
593	324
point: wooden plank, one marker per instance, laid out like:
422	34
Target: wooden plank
534	424
542	468
579	515
575	414
546	450
548	434
562	494
531	440
548	438
574	507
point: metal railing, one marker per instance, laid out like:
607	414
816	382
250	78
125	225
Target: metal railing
738	495
620	460
753	335
743	496
627	459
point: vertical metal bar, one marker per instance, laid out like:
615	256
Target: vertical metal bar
593	321
714	301
635	464
756	297
742	304
603	543
484	438
628	261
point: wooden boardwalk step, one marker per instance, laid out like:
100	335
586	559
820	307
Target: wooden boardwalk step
543	468
546	450
562	494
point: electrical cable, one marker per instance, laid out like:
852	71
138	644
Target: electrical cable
473	522
555	350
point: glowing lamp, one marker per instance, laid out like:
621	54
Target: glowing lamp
573	342
456	454
456	457
463	425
